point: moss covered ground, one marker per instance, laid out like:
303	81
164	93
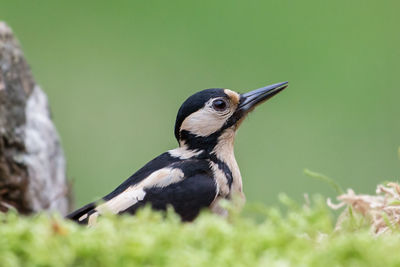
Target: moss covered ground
291	235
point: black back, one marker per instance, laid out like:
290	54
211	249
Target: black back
197	191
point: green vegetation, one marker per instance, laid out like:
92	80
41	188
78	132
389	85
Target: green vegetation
299	236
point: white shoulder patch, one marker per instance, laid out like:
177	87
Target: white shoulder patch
122	201
183	152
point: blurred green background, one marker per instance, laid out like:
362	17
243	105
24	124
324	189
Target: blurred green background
116	73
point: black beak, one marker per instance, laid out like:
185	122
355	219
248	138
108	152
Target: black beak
251	99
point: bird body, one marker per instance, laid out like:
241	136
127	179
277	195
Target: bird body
197	174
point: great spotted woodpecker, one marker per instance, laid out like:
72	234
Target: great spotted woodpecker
200	172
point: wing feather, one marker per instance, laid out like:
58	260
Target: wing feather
130	196
187	197
187	185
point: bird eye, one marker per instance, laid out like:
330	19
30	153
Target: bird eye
219	104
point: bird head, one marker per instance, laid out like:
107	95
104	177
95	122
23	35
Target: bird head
211	115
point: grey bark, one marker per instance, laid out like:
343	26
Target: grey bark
32	164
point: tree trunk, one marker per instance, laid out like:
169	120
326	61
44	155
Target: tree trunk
32	164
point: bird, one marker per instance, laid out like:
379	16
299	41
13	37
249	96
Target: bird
200	172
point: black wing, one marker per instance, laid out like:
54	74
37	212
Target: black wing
159	162
165	159
187	197
186	185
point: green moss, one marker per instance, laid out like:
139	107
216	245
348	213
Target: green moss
300	236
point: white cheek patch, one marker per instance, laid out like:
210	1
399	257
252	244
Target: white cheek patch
202	123
205	121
